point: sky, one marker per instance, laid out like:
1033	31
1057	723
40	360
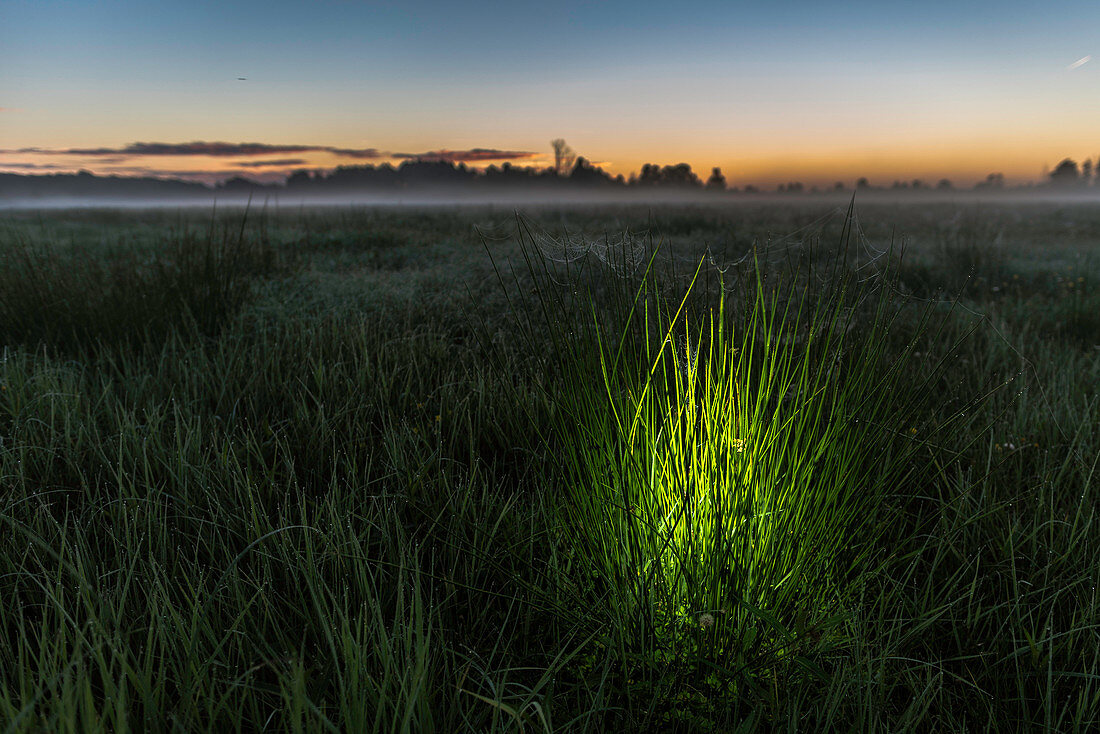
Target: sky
816	91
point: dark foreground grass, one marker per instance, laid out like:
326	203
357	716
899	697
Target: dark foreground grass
278	479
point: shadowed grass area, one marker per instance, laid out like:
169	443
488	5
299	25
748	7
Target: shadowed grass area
125	292
384	489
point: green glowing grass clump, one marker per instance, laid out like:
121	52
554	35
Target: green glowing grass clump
729	468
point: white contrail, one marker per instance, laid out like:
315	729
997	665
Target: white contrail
1080	62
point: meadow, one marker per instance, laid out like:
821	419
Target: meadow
760	467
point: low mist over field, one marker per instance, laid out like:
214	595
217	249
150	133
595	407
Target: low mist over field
531	202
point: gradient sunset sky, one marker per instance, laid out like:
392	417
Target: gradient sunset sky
769	91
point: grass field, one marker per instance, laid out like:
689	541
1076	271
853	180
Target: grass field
749	468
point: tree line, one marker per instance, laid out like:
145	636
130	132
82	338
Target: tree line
568	171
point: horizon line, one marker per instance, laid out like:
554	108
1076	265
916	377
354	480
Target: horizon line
321	176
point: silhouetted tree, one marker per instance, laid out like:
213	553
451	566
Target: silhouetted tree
650	175
716	182
564	156
585	174
299	180
1086	172
944	185
361	177
680	175
427	173
238	184
838	186
1065	174
993	181
863	184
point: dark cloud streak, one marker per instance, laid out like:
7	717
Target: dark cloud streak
466	156
268	164
361	154
35	166
221	150
201	148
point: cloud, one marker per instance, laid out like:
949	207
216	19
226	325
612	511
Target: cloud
143	171
225	150
275	162
360	153
148	171
35	166
203	148
194	148
198	147
1079	62
471	155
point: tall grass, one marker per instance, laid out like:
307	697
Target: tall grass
731	478
127	293
730	457
321	514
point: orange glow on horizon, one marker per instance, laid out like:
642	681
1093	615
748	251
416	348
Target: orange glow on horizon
772	162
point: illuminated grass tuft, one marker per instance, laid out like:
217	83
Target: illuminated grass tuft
731	456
